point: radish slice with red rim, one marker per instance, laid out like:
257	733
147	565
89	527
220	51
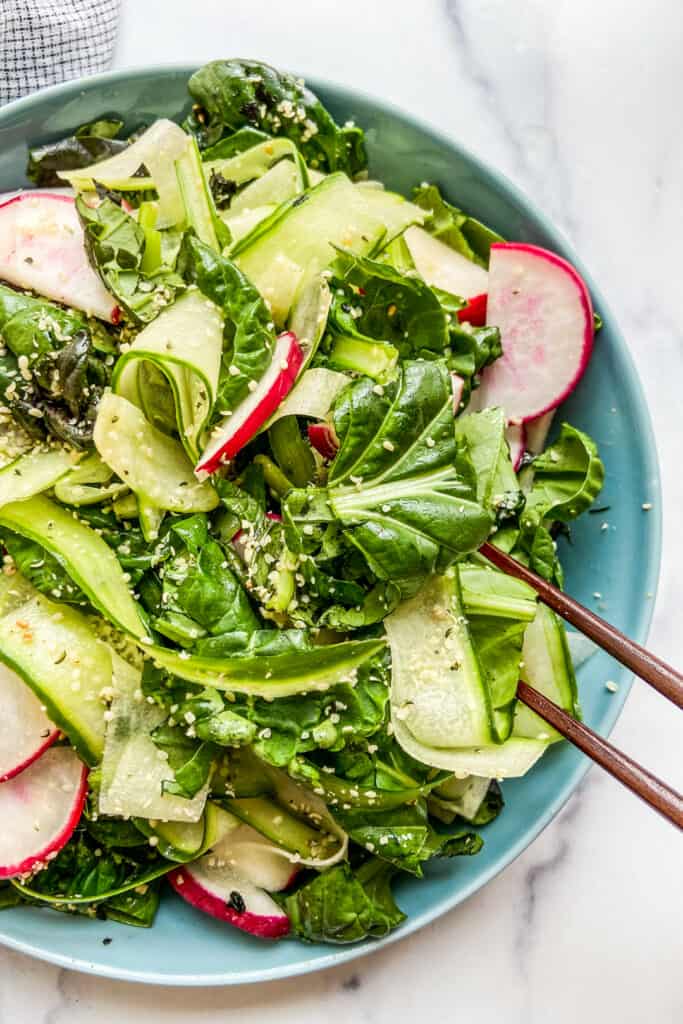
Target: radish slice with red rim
475	311
25	730
543	310
324	439
244	423
42	249
39	810
229	897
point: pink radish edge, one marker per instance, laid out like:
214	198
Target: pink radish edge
18	769
586	305
324	439
257	407
515	434
40	859
256	924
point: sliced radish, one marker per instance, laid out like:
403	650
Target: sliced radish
39	811
537	432
515	435
222	893
42	249
237	429
475	311
324	439
443	267
247	853
25	729
544	313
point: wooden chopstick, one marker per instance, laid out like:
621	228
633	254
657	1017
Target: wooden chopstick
648	666
667	801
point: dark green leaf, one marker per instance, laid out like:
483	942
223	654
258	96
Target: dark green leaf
233	94
89	143
446	222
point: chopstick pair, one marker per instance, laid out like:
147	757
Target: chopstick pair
667	680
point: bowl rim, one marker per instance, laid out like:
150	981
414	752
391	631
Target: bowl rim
643	426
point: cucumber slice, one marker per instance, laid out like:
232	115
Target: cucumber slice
255	162
89	561
196	195
30	474
53	649
313	394
150	518
152	464
438	695
89	483
240	224
547	666
308	318
280	183
156	149
304	231
185	344
185	841
133	774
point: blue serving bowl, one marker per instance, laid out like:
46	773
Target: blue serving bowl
188	948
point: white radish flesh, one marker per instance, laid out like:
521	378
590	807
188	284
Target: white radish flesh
543	310
238	429
25	730
228	897
515	436
42	249
39	811
443	267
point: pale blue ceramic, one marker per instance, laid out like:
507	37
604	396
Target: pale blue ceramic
187	948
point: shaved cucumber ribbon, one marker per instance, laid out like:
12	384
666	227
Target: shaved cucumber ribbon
35	472
89	483
313	395
256	162
184	344
152	464
157	149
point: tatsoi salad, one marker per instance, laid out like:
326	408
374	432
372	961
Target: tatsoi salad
259	413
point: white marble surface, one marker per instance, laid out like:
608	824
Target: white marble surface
579	102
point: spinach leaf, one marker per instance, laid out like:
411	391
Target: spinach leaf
446	222
84	873
199	593
405	837
249	330
42	569
400	488
232	94
57	389
342	905
374	301
568	476
116	247
89	143
497	486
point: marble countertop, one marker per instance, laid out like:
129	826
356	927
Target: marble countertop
579	103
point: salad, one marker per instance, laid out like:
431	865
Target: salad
259	413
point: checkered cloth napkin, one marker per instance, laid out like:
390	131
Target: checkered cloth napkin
47	41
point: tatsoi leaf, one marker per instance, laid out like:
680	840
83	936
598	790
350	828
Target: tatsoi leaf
468	236
249	331
568	476
116	247
341	905
381	303
232	94
398	487
94	141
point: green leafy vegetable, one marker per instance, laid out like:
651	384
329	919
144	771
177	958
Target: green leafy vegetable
342	905
249	330
233	94
116	245
400	488
446	222
94	141
568	477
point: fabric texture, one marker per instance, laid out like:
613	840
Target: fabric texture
43	42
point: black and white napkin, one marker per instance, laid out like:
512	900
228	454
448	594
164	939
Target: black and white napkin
43	42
